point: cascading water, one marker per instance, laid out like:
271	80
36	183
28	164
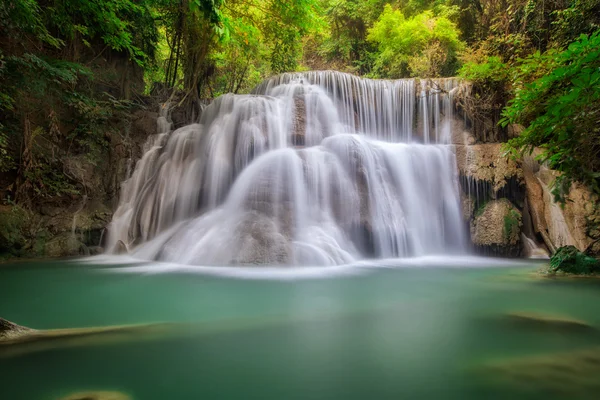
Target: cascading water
316	168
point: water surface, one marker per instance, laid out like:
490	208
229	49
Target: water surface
414	330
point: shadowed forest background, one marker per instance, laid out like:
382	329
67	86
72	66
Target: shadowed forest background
80	81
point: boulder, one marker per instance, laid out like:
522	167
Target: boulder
496	229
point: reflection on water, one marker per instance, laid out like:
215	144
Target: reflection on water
421	332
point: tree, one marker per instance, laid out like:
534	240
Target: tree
423	44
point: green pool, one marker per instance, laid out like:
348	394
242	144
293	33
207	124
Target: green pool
422	331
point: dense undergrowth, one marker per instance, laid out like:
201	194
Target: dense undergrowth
569	260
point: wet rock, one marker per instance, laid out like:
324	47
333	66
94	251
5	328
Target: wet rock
496	229
467	203
261	242
121	248
97	396
486	164
299	129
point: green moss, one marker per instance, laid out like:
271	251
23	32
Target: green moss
511	224
570	260
12	224
480	209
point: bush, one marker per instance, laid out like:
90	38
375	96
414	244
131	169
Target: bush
570	260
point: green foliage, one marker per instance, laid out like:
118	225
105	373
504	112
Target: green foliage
490	71
578	17
12	221
343	41
405	44
289	22
561	112
122	25
24	17
570	260
512	222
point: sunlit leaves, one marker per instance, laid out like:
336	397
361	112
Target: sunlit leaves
405	43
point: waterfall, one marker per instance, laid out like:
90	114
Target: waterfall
314	168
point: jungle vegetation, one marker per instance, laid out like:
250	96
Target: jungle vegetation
70	70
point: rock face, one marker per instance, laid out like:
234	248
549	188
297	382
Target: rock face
496	228
492	197
486	166
74	225
574	223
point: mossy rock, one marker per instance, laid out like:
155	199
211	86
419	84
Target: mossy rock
96	396
64	245
570	260
496	228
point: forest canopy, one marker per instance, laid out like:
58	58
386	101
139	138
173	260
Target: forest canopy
70	68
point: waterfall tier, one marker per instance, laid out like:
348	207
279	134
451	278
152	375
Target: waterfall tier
316	168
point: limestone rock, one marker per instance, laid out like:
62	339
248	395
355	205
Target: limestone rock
468	206
299	135
496	229
574	223
487	164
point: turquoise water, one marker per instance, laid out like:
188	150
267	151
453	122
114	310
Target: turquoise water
385	333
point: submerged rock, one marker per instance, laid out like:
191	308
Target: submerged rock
573	374
97	396
544	321
496	228
10	331
16	340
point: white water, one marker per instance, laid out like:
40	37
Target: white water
319	168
